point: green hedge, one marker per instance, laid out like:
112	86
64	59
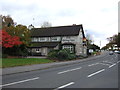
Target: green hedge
63	54
53	54
4	55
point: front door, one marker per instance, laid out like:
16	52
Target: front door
44	51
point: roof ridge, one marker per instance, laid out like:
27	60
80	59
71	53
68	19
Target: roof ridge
60	26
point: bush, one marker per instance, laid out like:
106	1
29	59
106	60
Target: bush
4	55
63	54
23	53
53	54
81	56
72	56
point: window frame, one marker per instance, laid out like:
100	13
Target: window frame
70	47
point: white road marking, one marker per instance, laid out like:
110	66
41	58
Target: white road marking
118	61
19	82
69	70
108	62
65	85
112	65
93	64
104	64
96	73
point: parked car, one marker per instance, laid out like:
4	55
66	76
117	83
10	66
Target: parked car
118	52
111	53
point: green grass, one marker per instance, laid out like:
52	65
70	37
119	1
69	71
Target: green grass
8	62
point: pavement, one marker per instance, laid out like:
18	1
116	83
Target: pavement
27	68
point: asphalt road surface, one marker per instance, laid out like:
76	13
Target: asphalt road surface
101	72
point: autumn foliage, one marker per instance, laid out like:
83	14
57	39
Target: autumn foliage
9	41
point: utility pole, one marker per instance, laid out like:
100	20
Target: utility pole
100	45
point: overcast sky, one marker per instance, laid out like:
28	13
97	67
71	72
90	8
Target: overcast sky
98	17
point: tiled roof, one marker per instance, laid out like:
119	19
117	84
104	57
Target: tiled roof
72	30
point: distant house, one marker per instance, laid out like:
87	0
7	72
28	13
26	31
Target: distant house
46	39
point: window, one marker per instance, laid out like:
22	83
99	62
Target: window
34	39
68	39
54	38
37	50
42	39
70	47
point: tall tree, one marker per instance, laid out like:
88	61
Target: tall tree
9	41
15	30
20	31
89	39
94	47
118	40
7	21
115	39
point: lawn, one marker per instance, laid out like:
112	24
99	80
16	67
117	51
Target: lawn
12	62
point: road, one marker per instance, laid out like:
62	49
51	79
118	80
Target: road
102	72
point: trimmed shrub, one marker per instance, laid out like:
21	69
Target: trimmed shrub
72	56
61	55
4	55
81	56
53	54
23	53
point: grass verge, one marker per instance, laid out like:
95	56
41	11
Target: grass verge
12	62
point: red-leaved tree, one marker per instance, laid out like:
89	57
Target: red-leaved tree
9	41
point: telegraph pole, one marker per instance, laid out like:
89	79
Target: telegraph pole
100	45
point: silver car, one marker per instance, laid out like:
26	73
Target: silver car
111	53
